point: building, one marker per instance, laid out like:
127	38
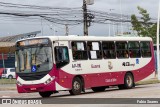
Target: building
7	48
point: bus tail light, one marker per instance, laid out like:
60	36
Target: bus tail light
49	80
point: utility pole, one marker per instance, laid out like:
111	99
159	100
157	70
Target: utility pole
67	29
85	27
87	18
42	26
158	60
3	60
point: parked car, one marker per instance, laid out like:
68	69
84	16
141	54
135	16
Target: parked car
1	71
9	73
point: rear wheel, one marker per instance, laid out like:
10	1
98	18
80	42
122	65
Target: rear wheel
98	89
128	82
45	94
76	86
10	77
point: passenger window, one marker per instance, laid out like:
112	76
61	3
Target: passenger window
108	50
79	50
134	49
61	56
145	49
122	49
94	50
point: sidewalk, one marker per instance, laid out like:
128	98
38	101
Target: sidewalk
6	87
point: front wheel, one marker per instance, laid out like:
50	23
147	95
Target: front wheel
45	94
76	86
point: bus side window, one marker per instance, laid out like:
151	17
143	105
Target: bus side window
62	56
134	49
94	50
79	50
108	50
145	49
122	49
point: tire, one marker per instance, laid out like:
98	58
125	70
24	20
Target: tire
10	77
45	94
128	82
76	86
98	89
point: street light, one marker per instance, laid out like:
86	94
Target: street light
121	16
110	22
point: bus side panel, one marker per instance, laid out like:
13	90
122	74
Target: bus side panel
106	79
144	72
147	69
64	79
92	80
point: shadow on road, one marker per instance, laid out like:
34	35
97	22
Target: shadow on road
89	91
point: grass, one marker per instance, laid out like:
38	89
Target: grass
150	81
7	81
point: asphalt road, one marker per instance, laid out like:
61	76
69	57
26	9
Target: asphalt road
140	92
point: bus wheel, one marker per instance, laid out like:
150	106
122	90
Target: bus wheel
76	86
128	82
98	89
45	94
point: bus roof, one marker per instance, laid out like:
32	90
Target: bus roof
92	38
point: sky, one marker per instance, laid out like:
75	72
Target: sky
127	7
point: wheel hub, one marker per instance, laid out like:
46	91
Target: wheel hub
129	81
76	85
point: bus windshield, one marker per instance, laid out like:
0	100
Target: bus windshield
34	59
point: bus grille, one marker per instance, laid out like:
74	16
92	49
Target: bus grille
32	76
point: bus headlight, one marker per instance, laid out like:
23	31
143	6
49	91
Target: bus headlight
18	83
49	80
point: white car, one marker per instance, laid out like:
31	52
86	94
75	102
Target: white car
9	73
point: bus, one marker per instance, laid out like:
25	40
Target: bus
50	64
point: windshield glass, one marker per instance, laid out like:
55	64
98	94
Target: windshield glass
34	59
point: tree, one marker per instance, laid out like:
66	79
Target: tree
144	26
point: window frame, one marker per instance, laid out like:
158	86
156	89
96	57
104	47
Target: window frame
139	49
122	50
146	49
59	62
85	50
100	51
104	42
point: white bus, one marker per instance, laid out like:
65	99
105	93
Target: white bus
75	63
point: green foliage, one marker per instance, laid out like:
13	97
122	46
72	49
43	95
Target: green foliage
143	26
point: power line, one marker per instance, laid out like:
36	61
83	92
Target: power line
62	16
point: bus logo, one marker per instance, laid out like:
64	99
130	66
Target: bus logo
137	61
34	68
110	66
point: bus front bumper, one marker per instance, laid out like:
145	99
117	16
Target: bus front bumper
36	88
